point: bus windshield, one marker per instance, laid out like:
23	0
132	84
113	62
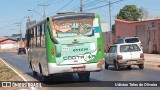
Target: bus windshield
73	27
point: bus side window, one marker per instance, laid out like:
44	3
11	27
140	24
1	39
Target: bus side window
34	37
28	36
43	35
38	36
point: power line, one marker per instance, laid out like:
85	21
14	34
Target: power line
44	9
62	7
35	9
90	2
73	8
85	2
98	2
76	7
7	26
104	5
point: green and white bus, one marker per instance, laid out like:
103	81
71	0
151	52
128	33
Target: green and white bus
66	43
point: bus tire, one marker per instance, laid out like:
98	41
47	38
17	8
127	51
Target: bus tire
46	79
34	73
84	76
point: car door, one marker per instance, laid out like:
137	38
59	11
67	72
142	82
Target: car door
111	54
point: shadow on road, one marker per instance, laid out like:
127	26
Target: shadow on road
66	80
123	68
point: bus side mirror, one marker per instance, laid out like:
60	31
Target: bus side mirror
58	50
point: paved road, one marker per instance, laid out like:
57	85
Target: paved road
20	62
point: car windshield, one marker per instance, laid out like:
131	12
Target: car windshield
73	27
129	48
119	41
131	40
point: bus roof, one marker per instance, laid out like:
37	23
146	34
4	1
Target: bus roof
73	15
69	15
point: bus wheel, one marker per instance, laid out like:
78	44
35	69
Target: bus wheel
34	73
46	79
85	76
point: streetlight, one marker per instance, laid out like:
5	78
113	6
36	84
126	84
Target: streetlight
36	12
19	24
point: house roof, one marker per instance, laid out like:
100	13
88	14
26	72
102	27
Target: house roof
5	39
124	21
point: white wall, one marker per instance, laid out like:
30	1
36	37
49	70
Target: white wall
105	27
8	46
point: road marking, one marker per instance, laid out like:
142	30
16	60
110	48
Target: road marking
16	72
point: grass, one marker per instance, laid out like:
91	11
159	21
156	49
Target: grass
7	74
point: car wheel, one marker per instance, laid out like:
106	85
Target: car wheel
106	65
116	66
129	67
141	66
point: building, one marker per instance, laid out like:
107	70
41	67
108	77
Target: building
148	31
106	35
7	43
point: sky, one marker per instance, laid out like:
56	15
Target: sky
15	11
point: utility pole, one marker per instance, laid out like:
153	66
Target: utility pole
44	9
110	21
81	6
28	21
19	24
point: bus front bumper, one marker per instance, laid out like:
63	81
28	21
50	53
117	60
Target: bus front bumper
54	68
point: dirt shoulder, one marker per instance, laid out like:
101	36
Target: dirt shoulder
152	61
7	74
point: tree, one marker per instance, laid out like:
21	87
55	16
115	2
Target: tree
15	35
129	13
144	13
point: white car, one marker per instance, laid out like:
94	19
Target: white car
129	40
124	55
